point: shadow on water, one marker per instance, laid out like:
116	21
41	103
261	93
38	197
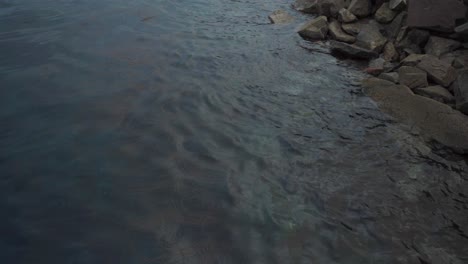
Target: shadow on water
195	132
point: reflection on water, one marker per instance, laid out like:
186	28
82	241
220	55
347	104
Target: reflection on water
157	131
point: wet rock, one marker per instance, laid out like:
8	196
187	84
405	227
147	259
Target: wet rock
370	38
352	51
392	29
397	5
360	8
315	29
461	91
436	121
393	77
413	59
439	15
352	29
389	52
412	77
327	8
384	14
280	17
414	40
438	46
306	6
337	33
345	16
437	93
439	71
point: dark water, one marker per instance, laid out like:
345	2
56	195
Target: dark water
192	131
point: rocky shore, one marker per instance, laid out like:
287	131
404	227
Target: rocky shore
417	52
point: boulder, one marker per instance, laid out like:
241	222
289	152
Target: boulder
337	33
461	91
280	17
437	93
389	52
376	66
414	40
327	8
384	14
439	15
360	8
345	16
392	29
352	51
438	46
315	29
413	59
438	71
412	77
397	5
370	38
393	77
352	29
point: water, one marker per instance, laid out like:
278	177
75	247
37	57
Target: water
193	131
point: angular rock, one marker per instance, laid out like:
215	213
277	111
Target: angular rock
376	66
337	33
327	8
280	17
438	71
397	5
462	29
384	14
370	38
413	59
352	51
345	16
360	8
352	29
461	91
438	46
390	53
393	77
412	77
392	29
315	29
440	15
437	93
306	6
414	40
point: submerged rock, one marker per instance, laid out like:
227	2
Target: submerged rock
439	71
315	29
352	51
337	33
412	77
345	16
360	8
437	93
384	14
438	46
280	17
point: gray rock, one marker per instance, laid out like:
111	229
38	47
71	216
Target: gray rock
414	40
306	6
438	71
360	8
327	8
384	14
462	29
315	29
345	16
352	51
370	38
352	29
280	17
458	59
392	29
437	93
412	77
438	46
376	66
413	59
461	91
389	52
397	5
337	33
393	77
440	15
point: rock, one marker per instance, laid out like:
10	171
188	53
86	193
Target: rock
462	29
315	29
412	77
360	8
337	33
352	29
392	29
280	17
439	15
393	77
352	51
414	40
327	8
397	5
439	71
437	93
438	46
435	120
306	6
370	38
461	91
376	66
345	16
389	52
458	59
413	59
384	14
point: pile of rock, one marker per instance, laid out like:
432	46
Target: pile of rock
406	44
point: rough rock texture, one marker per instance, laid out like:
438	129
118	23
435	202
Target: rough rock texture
437	93
315	29
390	53
438	46
462	29
393	77
397	5
345	16
360	8
352	51
384	14
370	38
413	59
337	33
413	77
440	15
352	29
306	6
327	8
461	91
280	17
392	29
439	71
376	66
436	121
414	40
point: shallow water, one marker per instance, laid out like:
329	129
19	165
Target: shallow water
194	131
